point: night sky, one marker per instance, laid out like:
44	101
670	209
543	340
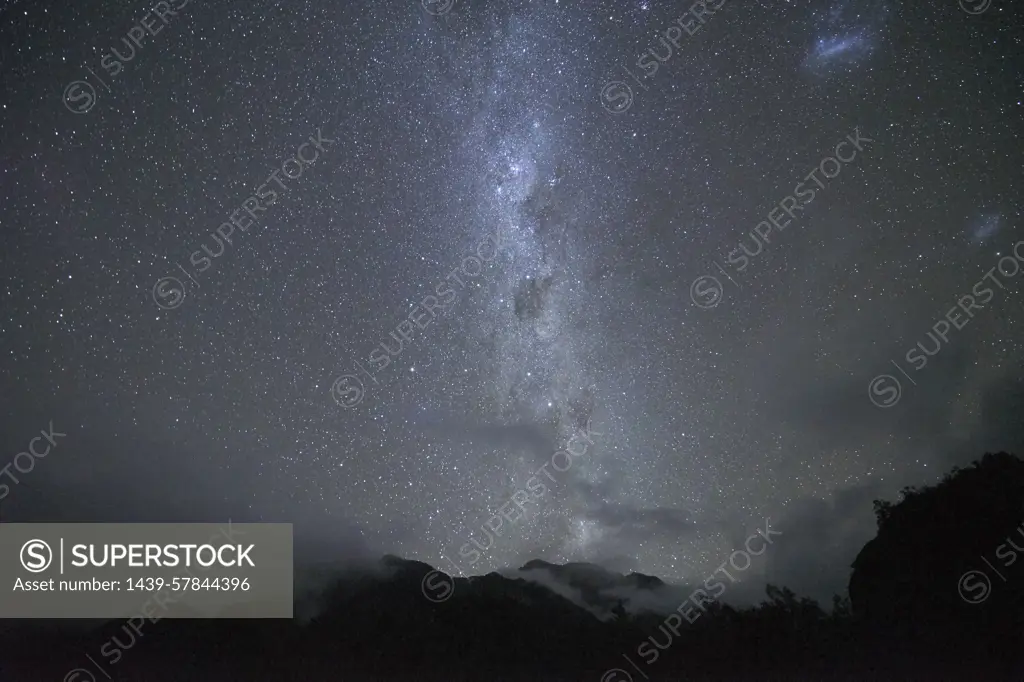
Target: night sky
514	222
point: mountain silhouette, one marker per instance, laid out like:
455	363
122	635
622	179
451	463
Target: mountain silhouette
910	615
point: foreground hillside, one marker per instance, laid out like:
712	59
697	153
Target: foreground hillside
910	615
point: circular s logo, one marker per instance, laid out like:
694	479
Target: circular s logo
437	587
348	391
616	97
79	675
79	97
974	587
975	6
706	291
168	293
36	556
885	390
438	8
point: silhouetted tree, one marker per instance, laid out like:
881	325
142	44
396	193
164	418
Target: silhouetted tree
939	553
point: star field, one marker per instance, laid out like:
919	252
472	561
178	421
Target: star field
517	240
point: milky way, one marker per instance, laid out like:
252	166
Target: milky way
478	297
